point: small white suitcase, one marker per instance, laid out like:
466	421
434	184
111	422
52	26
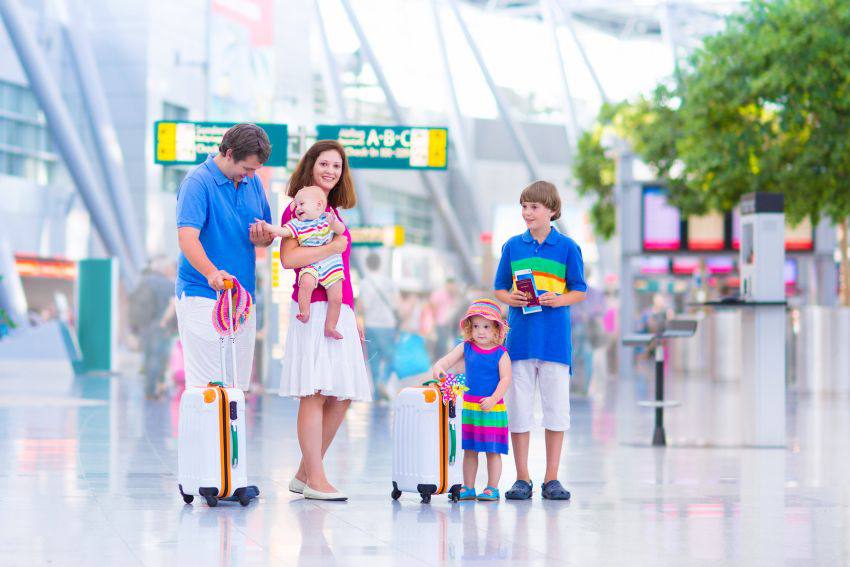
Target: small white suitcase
426	444
212	460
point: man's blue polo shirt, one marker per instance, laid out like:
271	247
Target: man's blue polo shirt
557	266
210	202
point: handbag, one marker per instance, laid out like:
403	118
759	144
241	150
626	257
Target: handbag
411	355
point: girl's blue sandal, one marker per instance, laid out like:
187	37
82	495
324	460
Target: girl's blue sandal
489	494
466	493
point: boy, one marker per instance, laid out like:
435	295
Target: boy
539	343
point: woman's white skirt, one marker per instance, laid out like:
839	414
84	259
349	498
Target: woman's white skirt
314	363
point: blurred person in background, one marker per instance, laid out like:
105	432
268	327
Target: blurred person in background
588	335
445	302
411	357
151	311
376	305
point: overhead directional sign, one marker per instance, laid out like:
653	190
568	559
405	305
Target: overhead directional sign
189	143
390	147
392	235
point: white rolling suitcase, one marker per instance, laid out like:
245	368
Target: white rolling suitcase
426	444
212	460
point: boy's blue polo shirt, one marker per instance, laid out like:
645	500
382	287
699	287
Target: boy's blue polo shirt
557	266
209	201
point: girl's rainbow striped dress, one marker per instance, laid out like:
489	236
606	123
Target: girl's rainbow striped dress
483	431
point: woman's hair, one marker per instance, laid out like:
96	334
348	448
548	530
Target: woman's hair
466	330
544	193
342	196
246	140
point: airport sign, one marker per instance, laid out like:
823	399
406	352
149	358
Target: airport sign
390	147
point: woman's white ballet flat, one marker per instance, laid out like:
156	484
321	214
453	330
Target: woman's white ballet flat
330	496
297	486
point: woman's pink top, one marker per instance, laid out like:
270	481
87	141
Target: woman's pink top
319	294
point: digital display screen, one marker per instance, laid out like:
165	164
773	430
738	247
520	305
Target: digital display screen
790	272
661	221
654	265
799	238
719	265
706	232
685	265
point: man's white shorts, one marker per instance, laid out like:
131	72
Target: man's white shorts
202	348
553	381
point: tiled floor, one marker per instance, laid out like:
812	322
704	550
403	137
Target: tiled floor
90	478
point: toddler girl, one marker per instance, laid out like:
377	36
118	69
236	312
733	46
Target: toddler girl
488	374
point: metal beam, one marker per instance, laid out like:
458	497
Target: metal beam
105	136
438	194
572	125
457	133
516	134
568	21
364	196
65	137
668	32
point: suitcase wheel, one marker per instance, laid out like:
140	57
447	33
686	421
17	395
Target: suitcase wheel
212	501
396	493
425	491
454	493
187	498
244	500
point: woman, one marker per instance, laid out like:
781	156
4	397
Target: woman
325	374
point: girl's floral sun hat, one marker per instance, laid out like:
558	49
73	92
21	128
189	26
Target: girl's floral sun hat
491	311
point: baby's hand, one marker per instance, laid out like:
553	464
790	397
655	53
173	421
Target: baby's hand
436	372
487	403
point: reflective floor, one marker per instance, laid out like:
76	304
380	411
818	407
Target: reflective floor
90	477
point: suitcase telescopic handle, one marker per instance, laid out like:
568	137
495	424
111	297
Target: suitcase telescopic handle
228	287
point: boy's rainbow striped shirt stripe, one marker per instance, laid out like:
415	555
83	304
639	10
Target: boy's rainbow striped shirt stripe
557	266
549	275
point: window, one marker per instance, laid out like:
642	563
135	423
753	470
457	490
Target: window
174	112
409	211
171	177
25	146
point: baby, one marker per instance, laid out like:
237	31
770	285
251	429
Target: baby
312	225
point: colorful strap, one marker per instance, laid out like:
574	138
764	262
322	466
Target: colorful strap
242	304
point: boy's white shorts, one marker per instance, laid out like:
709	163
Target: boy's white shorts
201	346
553	381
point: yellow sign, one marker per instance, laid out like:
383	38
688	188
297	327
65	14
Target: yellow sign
275	269
377	235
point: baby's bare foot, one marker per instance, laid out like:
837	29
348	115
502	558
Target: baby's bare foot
303	317
332	333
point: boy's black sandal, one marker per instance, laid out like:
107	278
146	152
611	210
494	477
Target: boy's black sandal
553	490
521	490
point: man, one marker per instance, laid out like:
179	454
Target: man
149	304
217	205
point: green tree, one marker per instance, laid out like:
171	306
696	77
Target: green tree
762	106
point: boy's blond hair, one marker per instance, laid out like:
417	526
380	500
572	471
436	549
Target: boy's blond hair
544	193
